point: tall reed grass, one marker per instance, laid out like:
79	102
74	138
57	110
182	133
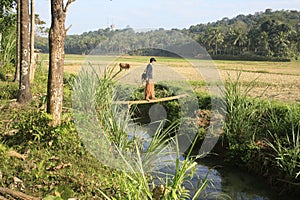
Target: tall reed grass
287	153
241	116
7	53
285	143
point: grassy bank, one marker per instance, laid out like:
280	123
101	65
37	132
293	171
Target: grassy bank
263	136
63	162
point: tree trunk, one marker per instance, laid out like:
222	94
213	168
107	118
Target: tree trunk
0	42
32	60
24	87
57	36
18	48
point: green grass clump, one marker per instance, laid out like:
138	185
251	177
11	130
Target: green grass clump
241	112
8	90
286	154
262	135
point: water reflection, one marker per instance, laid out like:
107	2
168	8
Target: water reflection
231	183
225	182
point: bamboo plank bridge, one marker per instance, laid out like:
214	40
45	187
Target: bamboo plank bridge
136	102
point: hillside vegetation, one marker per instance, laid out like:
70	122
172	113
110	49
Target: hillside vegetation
268	35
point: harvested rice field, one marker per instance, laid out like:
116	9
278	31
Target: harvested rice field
279	81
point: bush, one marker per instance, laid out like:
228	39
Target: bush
250	57
263	136
8	90
204	100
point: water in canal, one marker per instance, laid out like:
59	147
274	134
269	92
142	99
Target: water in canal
225	182
234	183
228	182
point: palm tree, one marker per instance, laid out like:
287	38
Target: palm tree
240	40
216	37
229	40
253	38
264	46
209	39
281	44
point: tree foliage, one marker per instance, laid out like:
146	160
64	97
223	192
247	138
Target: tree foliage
7	31
264	35
7	17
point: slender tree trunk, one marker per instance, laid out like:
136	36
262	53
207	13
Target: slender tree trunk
0	41
24	87
57	36
18	46
32	61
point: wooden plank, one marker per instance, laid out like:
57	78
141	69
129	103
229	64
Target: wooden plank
151	101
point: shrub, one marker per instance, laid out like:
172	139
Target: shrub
287	154
241	114
8	90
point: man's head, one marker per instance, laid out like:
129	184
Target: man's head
152	60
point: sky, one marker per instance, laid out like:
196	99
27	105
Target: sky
141	15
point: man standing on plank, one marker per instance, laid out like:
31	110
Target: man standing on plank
149	91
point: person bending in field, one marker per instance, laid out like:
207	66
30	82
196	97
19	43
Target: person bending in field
149	90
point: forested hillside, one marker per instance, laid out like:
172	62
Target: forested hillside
268	35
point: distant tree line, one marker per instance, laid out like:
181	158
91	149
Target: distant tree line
265	34
268	35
